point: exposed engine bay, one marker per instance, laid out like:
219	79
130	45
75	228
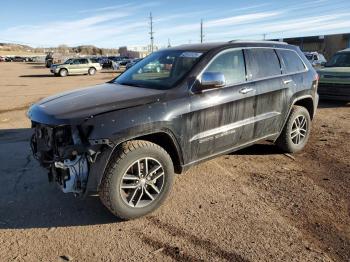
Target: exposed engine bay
63	151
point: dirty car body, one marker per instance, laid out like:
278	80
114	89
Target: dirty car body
77	132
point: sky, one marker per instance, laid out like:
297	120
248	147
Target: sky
110	24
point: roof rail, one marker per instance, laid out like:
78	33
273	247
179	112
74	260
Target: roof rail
258	41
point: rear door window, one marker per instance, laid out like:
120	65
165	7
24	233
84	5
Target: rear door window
292	62
84	61
231	64
76	62
262	63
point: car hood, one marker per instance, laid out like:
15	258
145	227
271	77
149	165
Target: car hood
58	64
86	102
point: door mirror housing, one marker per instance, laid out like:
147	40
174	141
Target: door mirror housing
211	80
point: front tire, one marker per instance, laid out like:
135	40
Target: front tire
296	131
137	180
63	72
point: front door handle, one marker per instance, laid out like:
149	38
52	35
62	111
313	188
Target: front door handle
246	90
286	82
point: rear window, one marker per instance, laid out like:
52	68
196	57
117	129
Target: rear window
262	63
292	62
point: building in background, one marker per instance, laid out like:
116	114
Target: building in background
136	51
328	45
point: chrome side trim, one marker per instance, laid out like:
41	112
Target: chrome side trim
229	129
235	148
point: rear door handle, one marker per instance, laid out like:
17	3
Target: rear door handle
246	90
286	82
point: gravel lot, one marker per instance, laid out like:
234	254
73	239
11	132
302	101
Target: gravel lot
256	204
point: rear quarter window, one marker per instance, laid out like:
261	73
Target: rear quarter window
262	63
292	62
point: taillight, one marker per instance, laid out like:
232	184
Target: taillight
317	77
315	81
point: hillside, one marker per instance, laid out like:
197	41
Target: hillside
17	49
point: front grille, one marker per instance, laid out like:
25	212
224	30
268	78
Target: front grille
334	85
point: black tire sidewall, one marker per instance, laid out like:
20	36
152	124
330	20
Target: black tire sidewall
117	203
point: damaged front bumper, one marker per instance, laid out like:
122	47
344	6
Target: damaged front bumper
67	154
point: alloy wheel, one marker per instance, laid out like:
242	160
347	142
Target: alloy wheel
299	130
142	182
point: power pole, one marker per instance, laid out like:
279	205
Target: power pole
202	35
169	45
264	36
151	32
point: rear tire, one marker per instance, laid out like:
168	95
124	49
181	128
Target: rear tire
92	71
63	72
137	180
296	131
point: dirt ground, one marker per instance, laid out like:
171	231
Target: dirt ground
256	204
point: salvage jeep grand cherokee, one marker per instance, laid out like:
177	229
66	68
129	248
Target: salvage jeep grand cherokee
127	138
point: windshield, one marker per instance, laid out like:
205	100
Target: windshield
69	61
340	60
309	57
160	70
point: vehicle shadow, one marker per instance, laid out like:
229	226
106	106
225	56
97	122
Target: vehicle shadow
259	149
35	63
27	200
38	76
39	66
104	71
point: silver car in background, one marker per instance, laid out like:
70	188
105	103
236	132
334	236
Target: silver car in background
76	66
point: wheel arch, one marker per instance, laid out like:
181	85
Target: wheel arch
164	139
306	102
63	68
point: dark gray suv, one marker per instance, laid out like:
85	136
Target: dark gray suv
126	138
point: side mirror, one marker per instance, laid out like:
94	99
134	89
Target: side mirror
211	80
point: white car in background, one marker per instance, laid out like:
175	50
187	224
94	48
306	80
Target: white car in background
316	59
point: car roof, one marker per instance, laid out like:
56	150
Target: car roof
345	50
234	43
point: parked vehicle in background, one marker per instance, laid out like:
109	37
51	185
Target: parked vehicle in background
8	59
126	138
124	62
2	59
335	77
18	59
316	59
132	62
29	59
155	67
75	66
